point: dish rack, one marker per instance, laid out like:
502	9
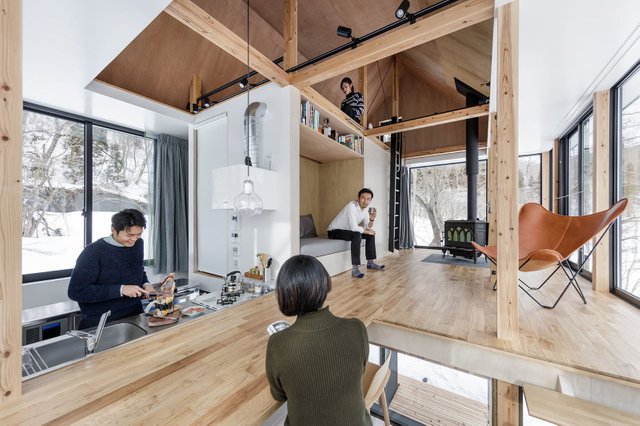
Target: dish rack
32	362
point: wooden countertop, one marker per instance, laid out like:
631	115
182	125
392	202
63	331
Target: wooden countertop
212	369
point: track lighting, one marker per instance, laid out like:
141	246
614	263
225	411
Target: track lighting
244	83
195	108
207	103
346	33
402	12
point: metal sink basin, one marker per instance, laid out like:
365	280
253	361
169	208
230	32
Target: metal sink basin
45	355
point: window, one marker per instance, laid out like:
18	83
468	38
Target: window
63	156
439	193
626	95
576	188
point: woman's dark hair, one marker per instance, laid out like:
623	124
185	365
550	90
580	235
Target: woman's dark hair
347	80
128	218
302	285
365	191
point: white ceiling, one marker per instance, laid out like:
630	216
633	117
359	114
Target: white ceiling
68	42
568	48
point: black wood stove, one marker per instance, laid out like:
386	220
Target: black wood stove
458	234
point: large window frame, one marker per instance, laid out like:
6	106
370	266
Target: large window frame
563	168
615	250
87	211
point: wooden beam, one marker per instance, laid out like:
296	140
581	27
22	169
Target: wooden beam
290	33
395	91
457	17
492	189
320	101
441	150
561	409
556	175
431	120
195	91
208	27
507	172
506	403
545	167
11	201
364	89
601	184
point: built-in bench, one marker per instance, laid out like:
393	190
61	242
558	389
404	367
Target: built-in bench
335	255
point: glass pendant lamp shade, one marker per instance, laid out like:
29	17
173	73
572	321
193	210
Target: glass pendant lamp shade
248	203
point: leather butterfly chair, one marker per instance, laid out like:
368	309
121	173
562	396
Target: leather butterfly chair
546	239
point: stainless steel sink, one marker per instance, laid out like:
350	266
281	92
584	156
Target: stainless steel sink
45	355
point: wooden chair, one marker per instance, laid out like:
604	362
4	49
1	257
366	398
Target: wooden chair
374	380
546	239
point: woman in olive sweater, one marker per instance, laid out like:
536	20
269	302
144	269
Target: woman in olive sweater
316	365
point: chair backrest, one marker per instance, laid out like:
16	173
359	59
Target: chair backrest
374	380
541	229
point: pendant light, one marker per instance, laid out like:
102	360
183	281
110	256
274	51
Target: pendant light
248	203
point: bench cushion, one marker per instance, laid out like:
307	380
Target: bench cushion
319	246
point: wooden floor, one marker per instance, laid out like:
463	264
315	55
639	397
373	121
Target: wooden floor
602	336
431	405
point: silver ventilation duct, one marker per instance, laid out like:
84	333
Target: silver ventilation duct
253	131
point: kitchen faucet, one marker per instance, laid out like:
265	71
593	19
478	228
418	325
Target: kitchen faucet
91	339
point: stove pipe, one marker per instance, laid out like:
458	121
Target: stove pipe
473	98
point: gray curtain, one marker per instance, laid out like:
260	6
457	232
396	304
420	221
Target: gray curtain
406	218
170	246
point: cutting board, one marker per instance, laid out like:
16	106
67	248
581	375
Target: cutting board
155	321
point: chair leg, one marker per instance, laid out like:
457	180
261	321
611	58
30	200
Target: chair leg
385	408
545	281
572	282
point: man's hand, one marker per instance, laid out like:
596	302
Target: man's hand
133	291
369	232
373	214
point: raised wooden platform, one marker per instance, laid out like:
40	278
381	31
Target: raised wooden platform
211	370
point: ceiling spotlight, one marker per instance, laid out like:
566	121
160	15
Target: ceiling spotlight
244	82
195	108
207	103
343	31
401	11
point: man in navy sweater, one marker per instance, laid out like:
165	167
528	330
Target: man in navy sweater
109	273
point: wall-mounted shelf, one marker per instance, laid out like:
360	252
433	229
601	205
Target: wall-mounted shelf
321	148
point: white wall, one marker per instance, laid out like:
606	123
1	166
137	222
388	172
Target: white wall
376	178
272	232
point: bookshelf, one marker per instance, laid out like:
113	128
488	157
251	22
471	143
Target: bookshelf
322	148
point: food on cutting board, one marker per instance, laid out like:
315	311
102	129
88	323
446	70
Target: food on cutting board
192	311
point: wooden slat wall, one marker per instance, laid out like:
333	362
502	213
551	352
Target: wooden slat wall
556	174
544	181
310	189
601	184
290	33
339	183
10	200
395	96
507	171
492	188
506	403
363	86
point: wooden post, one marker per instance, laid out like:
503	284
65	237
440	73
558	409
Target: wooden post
505	399
556	176
395	100
10	200
290	33
545	164
492	185
364	89
195	91
601	184
507	171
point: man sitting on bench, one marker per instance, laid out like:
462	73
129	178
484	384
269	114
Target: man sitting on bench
353	223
